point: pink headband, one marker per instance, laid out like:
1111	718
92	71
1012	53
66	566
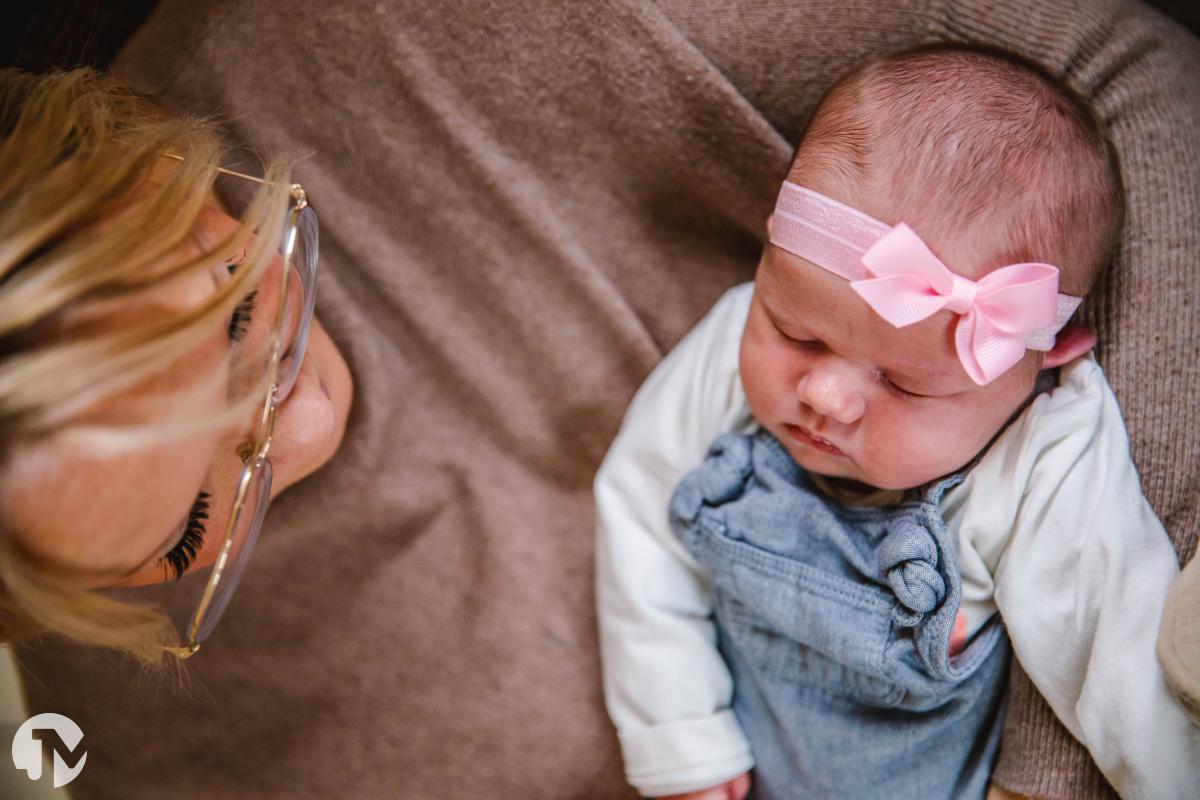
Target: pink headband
1005	312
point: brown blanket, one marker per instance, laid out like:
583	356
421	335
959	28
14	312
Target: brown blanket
524	205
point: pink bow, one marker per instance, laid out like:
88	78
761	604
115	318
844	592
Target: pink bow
911	283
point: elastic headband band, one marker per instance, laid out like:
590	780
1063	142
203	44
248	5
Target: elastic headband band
1009	310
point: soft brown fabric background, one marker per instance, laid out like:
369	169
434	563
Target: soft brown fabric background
523	206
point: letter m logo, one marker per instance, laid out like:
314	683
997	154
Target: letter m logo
49	737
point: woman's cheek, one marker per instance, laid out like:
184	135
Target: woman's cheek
306	433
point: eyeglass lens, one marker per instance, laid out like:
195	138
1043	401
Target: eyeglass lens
302	295
245	535
299	251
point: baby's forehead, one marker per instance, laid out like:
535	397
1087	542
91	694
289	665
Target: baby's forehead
821	305
970	243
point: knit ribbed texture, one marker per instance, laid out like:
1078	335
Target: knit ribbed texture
1039	758
523	207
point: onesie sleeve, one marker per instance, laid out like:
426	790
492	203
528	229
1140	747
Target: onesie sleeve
1081	582
666	687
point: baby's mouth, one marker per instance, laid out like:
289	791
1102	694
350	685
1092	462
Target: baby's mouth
806	437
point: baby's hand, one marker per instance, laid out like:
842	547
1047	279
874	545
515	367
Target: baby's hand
730	790
958	635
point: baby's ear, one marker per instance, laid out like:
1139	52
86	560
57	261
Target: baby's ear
1070	343
769	218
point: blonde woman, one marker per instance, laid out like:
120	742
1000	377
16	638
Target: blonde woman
156	390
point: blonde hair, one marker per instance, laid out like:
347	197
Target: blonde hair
81	226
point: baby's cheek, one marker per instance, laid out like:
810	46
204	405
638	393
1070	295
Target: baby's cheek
954	436
906	449
756	398
753	376
892	458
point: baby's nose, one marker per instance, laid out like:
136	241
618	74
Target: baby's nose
833	391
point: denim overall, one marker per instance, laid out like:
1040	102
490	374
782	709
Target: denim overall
835	622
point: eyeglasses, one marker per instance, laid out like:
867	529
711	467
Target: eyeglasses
289	339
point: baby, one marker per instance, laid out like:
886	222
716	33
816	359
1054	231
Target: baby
907	441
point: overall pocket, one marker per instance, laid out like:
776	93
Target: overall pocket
804	625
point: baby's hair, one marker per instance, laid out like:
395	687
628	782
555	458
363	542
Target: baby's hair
971	143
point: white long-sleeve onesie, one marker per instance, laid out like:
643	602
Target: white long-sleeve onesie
1052	530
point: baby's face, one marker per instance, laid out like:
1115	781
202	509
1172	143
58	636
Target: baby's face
850	396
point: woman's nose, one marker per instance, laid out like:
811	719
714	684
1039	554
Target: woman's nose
305	428
833	390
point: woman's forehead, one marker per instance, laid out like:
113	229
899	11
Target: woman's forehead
80	512
75	508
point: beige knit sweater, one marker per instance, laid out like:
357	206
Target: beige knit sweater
524	205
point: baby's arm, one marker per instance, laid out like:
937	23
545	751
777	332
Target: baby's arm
667	689
1081	583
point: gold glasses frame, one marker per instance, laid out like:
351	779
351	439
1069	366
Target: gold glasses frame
254	452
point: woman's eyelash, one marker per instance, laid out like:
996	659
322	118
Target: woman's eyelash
180	557
242	312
